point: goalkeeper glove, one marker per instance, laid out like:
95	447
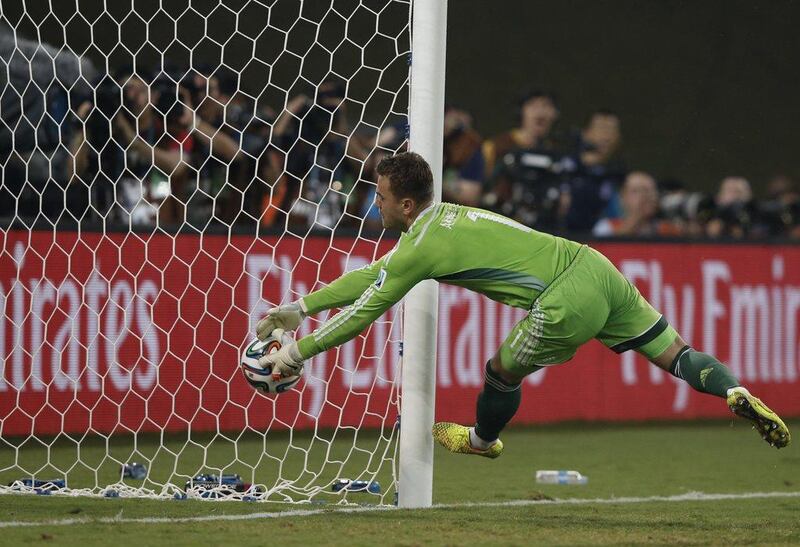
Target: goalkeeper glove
286	317
285	362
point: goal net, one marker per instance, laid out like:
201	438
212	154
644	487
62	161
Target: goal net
170	172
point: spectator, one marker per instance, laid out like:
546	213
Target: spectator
463	165
142	163
321	167
733	212
526	169
36	128
592	189
203	145
640	210
389	139
217	135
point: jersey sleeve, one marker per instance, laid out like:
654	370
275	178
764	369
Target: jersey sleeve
344	290
398	272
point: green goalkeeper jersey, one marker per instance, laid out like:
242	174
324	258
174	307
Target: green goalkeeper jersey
472	248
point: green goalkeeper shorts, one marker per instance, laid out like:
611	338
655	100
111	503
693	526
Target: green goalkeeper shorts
590	299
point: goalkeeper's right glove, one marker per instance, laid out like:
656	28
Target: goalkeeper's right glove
285	362
286	317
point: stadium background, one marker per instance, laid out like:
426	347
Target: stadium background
704	89
725	69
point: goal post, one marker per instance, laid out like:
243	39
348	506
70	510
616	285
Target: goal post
426	117
177	170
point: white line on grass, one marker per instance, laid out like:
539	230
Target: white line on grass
691	496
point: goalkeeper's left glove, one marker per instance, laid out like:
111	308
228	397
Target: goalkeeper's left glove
287	317
285	362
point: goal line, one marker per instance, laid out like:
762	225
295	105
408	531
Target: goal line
629	500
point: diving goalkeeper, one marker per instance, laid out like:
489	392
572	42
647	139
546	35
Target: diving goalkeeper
572	294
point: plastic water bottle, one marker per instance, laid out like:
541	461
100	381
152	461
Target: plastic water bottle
560	477
134	471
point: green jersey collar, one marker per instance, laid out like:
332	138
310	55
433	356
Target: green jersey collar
421	214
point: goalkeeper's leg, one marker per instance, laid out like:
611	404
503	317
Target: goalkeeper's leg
529	342
706	374
633	323
497	404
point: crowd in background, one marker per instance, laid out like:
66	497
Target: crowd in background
186	148
577	182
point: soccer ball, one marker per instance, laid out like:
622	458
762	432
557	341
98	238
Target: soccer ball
261	378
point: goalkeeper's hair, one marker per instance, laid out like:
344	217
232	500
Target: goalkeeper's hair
409	176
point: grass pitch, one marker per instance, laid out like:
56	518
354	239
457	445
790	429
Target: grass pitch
633	470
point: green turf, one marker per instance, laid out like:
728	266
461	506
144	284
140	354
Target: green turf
620	460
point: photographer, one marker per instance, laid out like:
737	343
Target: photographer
682	207
462	181
733	213
526	169
593	188
780	212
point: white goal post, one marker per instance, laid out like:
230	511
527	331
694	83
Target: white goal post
171	171
426	114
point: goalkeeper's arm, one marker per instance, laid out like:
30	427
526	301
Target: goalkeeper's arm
393	281
344	290
340	292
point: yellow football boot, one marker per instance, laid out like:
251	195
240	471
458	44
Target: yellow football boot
766	422
455	438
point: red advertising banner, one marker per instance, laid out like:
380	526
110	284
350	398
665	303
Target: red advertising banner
130	332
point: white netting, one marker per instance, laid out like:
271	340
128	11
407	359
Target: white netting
169	173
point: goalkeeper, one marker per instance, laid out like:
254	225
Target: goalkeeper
572	294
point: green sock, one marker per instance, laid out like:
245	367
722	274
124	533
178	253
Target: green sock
497	404
703	372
